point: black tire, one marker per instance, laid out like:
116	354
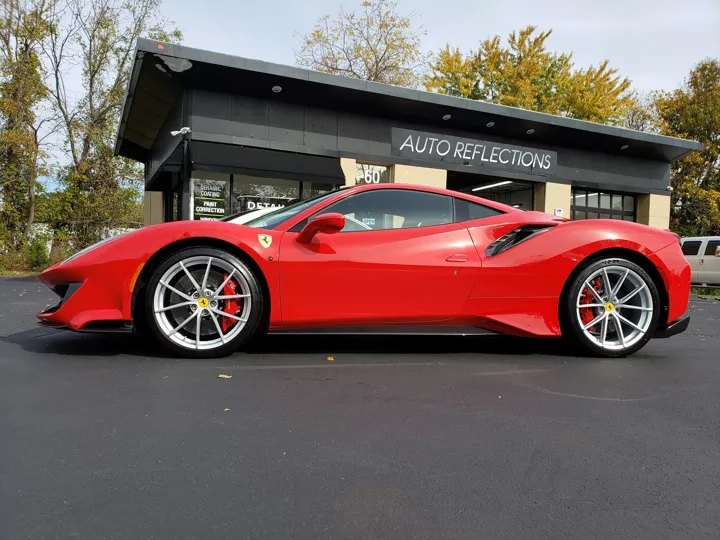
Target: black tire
570	319
253	315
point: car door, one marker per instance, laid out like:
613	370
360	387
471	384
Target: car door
709	267
400	259
691	250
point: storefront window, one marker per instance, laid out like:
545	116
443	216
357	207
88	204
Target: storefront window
517	194
371	174
253	193
209	195
588	204
313	189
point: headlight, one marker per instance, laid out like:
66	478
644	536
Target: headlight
90	248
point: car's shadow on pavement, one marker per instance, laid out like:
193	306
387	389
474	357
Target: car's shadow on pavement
45	341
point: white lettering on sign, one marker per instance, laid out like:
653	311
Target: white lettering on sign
207	210
467	149
453	149
440	152
372	176
252	205
458	149
483	154
409	143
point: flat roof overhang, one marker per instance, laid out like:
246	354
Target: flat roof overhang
161	71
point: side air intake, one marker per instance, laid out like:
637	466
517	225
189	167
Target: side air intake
515	237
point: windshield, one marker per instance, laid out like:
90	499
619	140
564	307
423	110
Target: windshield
276	217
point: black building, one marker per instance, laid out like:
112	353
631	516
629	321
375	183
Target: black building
220	134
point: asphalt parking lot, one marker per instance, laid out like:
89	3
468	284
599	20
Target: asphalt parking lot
105	437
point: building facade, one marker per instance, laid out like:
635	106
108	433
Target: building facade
220	134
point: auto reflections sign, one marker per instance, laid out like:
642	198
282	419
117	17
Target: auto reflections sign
449	149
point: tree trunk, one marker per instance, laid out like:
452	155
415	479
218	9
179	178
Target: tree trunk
31	204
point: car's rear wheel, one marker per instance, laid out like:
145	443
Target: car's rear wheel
203	302
612	308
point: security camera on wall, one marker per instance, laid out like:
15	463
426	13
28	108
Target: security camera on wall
181	131
669	188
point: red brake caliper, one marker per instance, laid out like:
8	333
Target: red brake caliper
587	315
232	306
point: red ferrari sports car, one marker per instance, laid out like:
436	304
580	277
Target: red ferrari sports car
380	259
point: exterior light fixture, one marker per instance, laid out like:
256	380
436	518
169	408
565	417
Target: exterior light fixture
496	184
277	89
624	147
447	117
490	124
530	131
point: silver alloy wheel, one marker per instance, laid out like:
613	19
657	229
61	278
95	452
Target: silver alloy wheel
189	304
614	308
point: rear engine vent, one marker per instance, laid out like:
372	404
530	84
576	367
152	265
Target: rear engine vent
515	237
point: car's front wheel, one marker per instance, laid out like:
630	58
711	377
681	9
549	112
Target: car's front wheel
612	308
203	302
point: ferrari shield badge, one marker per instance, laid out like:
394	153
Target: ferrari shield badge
265	240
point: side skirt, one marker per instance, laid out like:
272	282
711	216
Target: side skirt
385	331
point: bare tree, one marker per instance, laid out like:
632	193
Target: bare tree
95	42
640	115
377	44
97	37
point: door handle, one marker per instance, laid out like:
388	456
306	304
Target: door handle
457	258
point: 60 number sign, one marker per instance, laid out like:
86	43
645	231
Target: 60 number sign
371	174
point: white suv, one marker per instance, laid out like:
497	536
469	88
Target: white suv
703	254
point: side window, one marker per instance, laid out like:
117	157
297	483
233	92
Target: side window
712	247
691	247
393	209
467	211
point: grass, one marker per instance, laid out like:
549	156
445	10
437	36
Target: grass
706	292
15	273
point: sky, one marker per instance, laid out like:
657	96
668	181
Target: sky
653	42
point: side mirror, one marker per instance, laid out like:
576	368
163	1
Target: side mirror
329	223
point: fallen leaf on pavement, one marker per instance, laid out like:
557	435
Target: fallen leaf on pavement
223	376
227	410
330	359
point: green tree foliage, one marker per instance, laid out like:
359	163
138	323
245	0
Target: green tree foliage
38	256
24	24
99	191
693	112
377	44
525	74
